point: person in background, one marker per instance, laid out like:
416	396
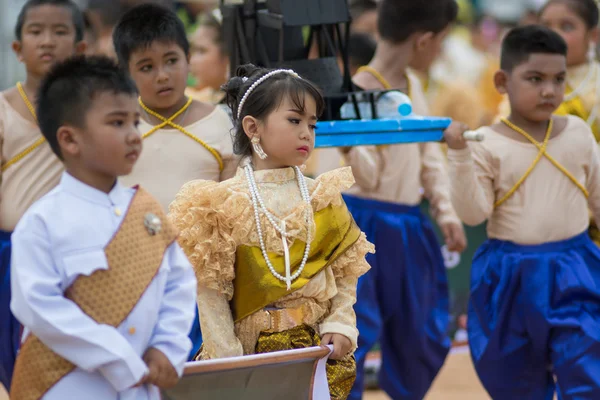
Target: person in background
209	61
364	17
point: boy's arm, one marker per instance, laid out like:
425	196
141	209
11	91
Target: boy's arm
436	183
472	189
367	165
38	302
593	179
177	310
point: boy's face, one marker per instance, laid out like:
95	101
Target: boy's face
536	87
110	143
160	72
47	37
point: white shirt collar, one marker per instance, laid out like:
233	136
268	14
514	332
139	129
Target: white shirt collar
117	195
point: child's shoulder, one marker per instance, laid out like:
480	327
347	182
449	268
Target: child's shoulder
42	212
327	188
200	111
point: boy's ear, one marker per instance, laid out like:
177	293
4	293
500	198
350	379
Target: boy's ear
80	47
422	40
68	141
188	57
501	81
17	48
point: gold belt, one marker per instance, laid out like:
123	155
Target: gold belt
280	320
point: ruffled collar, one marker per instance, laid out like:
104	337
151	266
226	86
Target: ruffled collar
280	175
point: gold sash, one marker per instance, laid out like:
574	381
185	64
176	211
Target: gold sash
108	296
255	287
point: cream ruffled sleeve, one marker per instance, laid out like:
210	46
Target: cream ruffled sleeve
206	237
348	267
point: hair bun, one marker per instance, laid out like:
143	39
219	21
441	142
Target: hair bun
235	88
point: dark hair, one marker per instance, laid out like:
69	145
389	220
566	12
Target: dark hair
361	48
144	25
521	42
68	91
359	7
587	10
399	19
264	99
208	20
68	4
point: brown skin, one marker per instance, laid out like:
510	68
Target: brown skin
366	23
535	89
48	37
107	145
391	60
208	63
160	73
560	18
341	345
161	372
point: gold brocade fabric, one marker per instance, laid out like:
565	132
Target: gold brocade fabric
108	296
340	374
254	285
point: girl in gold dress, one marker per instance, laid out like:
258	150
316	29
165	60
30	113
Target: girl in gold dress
277	255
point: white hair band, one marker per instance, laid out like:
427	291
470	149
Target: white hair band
258	82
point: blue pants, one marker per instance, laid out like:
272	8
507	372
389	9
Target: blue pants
195	336
10	329
402	301
534	314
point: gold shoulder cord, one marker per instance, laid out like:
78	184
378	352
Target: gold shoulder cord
169	122
542	153
36	144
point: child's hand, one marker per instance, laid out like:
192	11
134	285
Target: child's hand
454	236
453	135
341	345
162	373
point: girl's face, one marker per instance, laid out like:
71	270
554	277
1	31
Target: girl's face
287	135
208	64
559	17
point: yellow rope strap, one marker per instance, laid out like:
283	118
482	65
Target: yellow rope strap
384	82
36	144
169	122
542	153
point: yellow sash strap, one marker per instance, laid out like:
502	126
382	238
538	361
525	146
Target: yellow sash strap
169	122
36	144
542	153
255	288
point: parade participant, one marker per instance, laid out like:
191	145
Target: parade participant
105	294
534	304
403	301
277	255
46	32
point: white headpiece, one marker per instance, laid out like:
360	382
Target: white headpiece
258	82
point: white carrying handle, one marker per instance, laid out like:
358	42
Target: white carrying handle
473	136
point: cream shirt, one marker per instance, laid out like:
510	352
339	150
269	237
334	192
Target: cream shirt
170	158
23	183
548	206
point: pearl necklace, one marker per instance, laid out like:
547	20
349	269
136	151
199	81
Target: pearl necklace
279	225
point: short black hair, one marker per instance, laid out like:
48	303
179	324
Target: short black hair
361	48
399	19
144	25
521	42
359	7
68	91
76	13
587	10
264	99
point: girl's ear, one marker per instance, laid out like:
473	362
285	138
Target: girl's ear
251	126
